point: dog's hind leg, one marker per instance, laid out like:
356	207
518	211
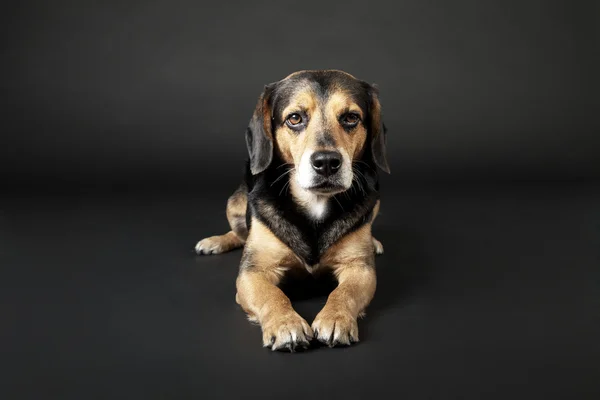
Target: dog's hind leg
378	246
236	237
376	243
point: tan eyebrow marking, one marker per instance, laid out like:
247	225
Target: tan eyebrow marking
304	101
340	103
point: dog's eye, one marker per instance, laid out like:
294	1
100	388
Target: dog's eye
350	119
294	119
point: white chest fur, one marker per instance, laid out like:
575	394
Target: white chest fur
314	205
318	208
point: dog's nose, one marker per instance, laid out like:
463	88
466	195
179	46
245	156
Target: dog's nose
326	162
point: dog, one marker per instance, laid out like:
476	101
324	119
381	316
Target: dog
307	203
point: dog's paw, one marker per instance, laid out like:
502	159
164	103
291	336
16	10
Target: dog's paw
210	245
378	246
287	332
335	327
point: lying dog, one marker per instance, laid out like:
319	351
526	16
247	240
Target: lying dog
308	200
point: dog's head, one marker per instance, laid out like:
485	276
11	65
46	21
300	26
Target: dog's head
320	123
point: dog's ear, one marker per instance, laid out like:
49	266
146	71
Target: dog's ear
259	134
377	130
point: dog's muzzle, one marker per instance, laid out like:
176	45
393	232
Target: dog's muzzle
324	172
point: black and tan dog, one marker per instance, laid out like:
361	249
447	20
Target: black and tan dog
308	201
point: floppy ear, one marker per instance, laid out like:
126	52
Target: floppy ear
378	131
259	135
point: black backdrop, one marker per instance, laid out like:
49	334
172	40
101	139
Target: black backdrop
157	91
488	288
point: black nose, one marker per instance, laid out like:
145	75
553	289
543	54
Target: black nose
326	162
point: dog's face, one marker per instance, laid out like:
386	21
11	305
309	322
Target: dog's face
321	123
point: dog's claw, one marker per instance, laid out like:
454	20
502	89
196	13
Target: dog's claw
287	333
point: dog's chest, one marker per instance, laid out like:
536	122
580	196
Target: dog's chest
317	210
308	238
311	269
309	231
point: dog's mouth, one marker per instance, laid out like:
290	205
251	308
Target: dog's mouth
327	187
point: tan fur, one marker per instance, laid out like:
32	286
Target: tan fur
378	247
291	145
266	259
236	216
219	244
353	264
340	102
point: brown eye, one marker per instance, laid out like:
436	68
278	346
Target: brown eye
294	119
350	119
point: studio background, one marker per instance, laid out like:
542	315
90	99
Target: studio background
122	134
155	91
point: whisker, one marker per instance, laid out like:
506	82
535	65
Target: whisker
359	172
339	203
282	175
358	175
362	175
362	162
287	184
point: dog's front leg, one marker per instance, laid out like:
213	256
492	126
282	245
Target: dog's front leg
264	262
352	261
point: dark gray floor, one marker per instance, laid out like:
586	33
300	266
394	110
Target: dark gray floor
485	292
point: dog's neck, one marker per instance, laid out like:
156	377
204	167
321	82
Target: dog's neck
314	205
